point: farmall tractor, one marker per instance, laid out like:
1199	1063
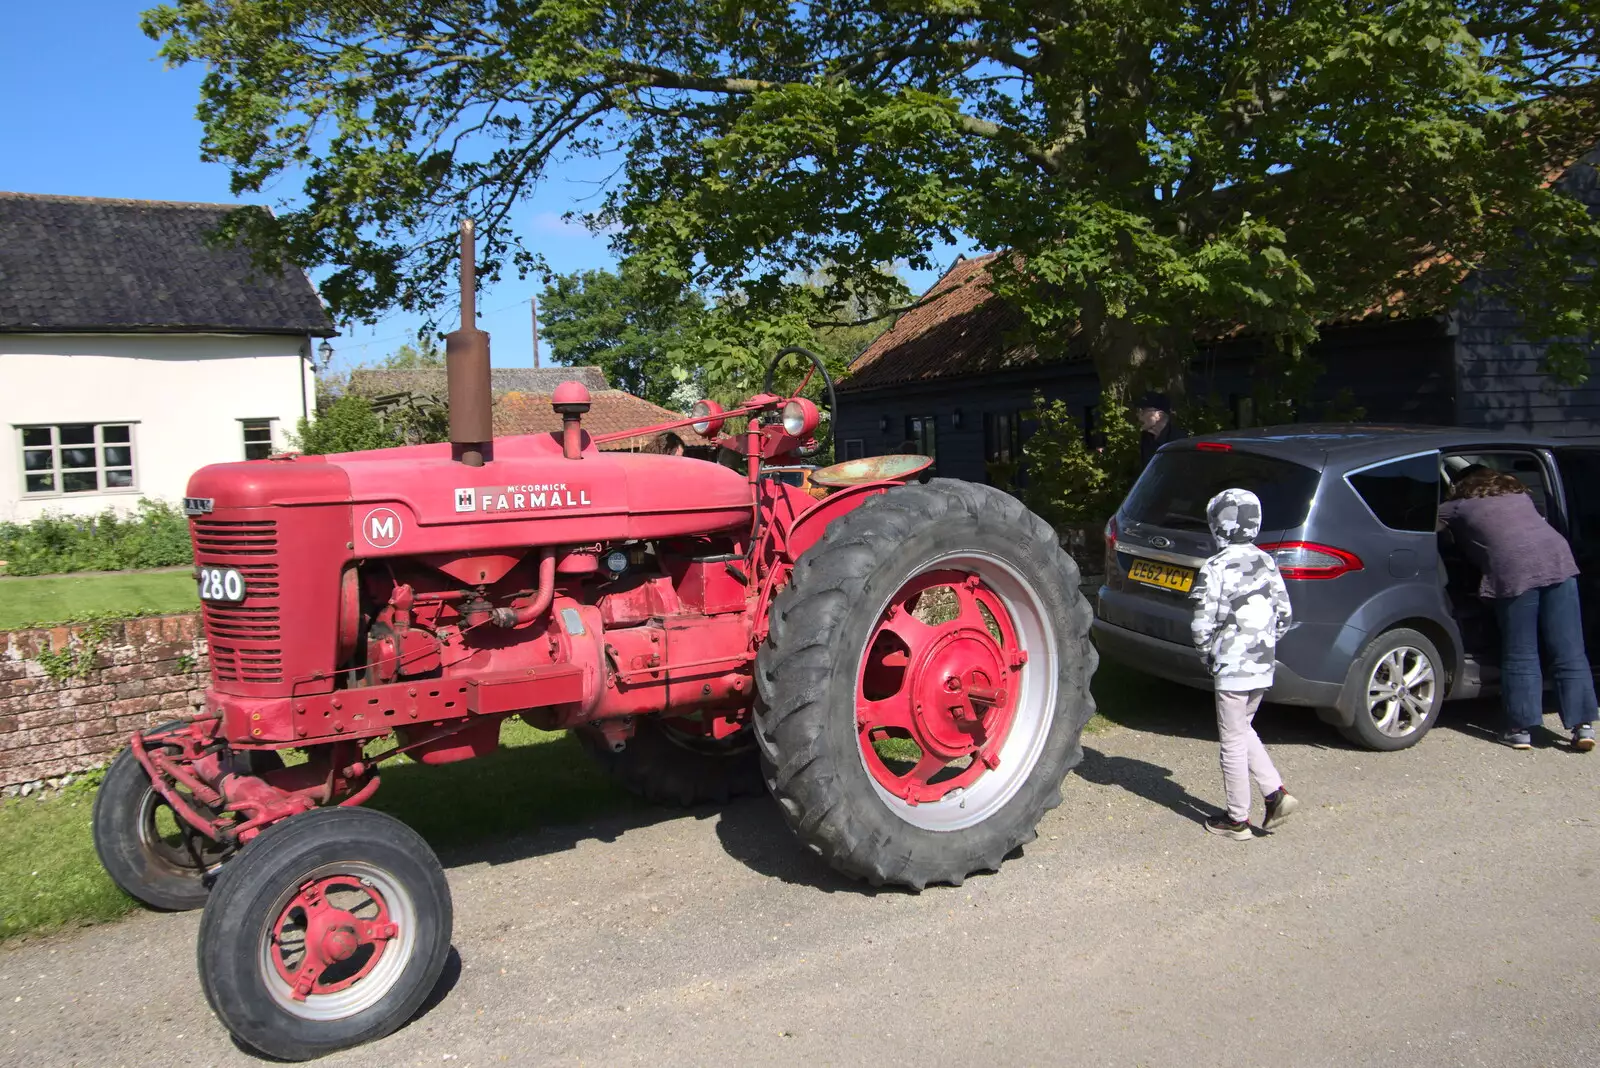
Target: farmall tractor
905	667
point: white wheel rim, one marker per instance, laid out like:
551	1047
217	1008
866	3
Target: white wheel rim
1035	708
1401	691
370	988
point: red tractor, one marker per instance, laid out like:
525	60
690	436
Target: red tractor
905	667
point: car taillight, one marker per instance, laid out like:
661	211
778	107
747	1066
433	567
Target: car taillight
1213	446
1308	560
1111	535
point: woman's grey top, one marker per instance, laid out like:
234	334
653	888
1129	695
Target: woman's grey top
1509	541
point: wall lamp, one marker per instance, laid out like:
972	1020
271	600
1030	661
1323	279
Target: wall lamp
883	424
955	419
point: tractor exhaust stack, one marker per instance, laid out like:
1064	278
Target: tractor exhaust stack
466	355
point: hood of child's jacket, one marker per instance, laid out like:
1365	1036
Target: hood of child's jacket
1234	516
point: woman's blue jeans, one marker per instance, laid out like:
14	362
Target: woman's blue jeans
1547	615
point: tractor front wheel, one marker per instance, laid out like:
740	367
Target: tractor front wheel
924	684
144	846
329	930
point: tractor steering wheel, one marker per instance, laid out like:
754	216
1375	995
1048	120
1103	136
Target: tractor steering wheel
833	403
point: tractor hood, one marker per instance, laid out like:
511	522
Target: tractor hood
417	499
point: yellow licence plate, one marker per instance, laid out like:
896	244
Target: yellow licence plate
1167	576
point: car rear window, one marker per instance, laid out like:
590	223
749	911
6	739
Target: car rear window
1403	494
1174	489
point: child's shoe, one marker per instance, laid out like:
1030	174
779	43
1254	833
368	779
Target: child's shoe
1224	824
1281	804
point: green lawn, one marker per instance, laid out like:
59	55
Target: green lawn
69	598
50	878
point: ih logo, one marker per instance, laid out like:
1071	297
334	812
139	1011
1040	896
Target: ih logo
466	499
381	527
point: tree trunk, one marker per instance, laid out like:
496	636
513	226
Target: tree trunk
1130	357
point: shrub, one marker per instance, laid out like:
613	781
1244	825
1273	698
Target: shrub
155	535
1069	482
349	423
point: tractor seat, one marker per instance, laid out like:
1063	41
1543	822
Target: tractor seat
896	467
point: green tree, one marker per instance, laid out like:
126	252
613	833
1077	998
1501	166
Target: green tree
347	424
408	357
662	341
1157	166
622	324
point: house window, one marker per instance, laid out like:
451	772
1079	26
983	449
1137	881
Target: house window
77	458
854	448
921	433
1094	436
1244	412
257	438
1002	437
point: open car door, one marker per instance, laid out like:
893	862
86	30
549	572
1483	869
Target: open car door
1579	466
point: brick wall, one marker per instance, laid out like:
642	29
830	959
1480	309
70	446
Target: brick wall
127	674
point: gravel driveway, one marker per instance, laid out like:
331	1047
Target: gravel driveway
1432	907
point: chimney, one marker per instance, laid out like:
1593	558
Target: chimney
466	357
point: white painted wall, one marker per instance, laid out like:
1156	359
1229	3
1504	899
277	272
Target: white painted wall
186	393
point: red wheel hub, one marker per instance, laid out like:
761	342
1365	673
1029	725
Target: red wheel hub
319	947
938	674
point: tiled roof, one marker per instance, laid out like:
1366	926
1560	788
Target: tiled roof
88	265
959	327
430	381
612	410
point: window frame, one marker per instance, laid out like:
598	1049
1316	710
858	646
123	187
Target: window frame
1002	428
246	425
1552	490
855	448
926	436
58	472
1437	453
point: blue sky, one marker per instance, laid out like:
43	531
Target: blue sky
89	111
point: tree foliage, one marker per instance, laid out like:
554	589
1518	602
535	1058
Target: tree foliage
1162	168
620	323
408	357
349	423
670	342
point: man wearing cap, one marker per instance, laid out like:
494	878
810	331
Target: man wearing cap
1156	426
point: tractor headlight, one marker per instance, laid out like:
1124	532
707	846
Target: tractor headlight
706	415
799	418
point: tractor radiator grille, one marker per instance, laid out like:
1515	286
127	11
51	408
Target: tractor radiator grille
244	638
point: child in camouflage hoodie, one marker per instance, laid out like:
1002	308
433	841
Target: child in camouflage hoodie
1243	611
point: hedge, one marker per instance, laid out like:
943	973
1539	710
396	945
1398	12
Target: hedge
155	535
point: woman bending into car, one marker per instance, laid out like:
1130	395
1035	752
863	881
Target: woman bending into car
1529	576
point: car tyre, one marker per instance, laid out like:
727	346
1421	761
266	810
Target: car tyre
1393	692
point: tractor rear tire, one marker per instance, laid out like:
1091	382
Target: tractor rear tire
666	768
860	587
330	929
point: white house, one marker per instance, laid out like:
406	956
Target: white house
134	349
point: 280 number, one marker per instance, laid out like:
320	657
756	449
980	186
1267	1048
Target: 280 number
221	584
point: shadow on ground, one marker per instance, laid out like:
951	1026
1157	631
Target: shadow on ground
1150	781
517	802
753	832
1154	706
537	799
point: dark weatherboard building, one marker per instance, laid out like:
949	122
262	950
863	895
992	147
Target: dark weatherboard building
956	375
